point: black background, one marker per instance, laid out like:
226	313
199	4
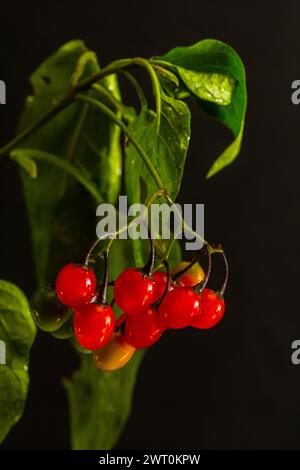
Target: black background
233	387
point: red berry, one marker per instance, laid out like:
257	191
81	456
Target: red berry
212	310
75	285
143	330
133	291
94	325
179	307
160	280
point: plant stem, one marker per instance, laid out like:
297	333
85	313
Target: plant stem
128	134
84	85
144	157
117	104
136	86
121	64
185	225
37	125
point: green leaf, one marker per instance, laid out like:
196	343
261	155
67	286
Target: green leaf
167	151
100	403
214	73
78	136
17	330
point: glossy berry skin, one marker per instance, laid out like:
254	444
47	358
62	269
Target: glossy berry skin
212	310
114	355
133	291
47	311
65	331
160	280
143	330
75	285
192	277
93	325
179	308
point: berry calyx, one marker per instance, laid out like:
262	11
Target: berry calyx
179	307
47	311
133	291
192	274
114	355
143	330
75	285
93	325
212	309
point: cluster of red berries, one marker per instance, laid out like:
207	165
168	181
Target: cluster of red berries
152	302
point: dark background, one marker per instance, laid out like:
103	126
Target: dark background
233	387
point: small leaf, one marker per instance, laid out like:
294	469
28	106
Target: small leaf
17	330
213	72
25	162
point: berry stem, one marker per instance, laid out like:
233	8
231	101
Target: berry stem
200	287
223	288
167	268
148	268
166	264
87	256
105	279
